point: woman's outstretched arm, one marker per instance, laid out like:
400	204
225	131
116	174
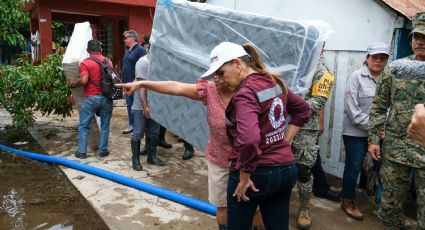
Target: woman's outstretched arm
165	87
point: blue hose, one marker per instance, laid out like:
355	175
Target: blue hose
155	190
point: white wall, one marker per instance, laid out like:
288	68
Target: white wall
357	23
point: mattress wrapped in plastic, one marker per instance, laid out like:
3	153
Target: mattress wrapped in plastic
76	50
183	35
74	54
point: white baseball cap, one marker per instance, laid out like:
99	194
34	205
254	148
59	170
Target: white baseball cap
378	48
222	53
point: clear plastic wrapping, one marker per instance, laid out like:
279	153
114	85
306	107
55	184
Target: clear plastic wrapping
183	35
76	50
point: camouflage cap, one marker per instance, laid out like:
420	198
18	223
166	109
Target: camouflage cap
418	23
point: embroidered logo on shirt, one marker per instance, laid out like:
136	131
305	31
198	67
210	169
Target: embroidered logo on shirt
278	134
323	87
276	123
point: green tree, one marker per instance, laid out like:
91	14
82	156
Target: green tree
25	89
60	30
13	20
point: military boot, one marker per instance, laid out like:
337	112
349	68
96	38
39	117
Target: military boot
303	219
304	192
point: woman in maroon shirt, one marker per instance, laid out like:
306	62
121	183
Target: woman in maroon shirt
263	170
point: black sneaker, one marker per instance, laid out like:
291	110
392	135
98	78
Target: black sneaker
80	155
104	154
329	195
164	144
188	154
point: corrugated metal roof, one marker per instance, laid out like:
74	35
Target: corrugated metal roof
407	8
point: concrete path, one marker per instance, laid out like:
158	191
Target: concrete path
126	208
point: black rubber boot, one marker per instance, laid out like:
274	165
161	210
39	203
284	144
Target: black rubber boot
135	149
144	151
188	151
152	158
162	143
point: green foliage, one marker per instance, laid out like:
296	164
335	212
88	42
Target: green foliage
13	20
25	89
60	30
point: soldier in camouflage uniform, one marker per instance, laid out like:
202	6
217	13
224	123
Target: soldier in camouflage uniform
400	89
304	145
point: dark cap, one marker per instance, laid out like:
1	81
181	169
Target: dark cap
94	46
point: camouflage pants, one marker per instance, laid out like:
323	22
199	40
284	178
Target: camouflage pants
395	183
304	147
304	193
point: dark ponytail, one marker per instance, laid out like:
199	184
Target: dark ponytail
256	63
365	61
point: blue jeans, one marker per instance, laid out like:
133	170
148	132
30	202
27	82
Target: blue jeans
89	107
129	102
142	124
355	151
275	185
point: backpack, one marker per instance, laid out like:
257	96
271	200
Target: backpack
109	77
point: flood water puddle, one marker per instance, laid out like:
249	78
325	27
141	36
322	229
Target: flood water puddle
35	195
